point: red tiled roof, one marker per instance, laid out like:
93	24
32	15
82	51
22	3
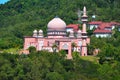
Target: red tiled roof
114	23
102	31
118	24
104	25
95	22
74	26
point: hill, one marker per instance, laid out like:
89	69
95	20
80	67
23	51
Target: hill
20	18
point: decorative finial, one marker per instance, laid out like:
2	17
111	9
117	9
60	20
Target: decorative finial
35	33
84	11
40	33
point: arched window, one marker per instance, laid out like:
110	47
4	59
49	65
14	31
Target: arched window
65	46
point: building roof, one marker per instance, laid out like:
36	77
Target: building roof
118	24
105	25
95	22
102	31
100	22
74	26
102	25
114	23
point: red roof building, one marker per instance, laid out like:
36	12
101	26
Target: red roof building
102	33
95	23
74	27
105	25
114	23
103	29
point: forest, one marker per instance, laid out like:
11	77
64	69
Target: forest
53	66
20	17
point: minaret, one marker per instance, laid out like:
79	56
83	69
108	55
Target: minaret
84	20
84	33
79	34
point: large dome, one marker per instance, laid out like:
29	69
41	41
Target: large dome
56	24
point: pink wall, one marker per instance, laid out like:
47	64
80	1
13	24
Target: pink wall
51	41
28	41
88	40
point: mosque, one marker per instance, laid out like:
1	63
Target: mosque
57	38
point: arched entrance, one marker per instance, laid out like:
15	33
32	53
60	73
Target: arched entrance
65	47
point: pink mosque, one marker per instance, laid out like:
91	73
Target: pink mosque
57	35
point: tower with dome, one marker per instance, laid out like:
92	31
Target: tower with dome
57	38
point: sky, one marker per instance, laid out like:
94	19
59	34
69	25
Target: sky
3	1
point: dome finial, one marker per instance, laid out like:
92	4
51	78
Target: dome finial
40	33
84	11
35	33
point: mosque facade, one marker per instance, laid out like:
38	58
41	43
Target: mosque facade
57	38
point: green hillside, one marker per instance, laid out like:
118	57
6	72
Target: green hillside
20	17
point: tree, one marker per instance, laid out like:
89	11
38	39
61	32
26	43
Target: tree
74	45
54	76
54	47
32	49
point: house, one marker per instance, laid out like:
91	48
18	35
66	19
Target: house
94	24
103	29
102	33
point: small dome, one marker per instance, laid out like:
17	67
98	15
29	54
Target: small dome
40	31
79	31
35	31
56	24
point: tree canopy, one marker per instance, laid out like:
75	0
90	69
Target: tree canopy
43	65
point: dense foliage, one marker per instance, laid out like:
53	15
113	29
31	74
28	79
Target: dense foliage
19	18
49	66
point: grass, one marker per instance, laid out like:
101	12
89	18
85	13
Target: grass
93	59
11	50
